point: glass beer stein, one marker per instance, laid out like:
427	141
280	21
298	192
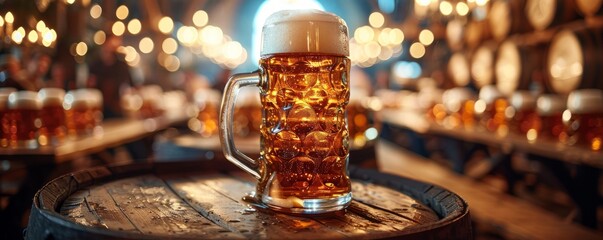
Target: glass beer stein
459	105
549	108
490	110
4	115
24	118
523	118
52	115
303	82
584	118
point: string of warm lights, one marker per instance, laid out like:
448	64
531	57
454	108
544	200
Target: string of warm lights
40	35
201	39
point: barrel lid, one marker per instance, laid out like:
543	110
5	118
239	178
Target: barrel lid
541	13
589	7
458	68
500	19
565	63
482	64
508	68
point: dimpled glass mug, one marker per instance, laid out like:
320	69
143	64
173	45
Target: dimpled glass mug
303	81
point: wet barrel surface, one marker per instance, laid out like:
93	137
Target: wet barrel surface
173	200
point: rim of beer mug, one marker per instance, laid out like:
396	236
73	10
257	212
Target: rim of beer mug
549	104
489	93
585	101
304	31
51	93
78	97
4	93
24	100
523	100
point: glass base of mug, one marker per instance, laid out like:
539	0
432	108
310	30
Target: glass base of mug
307	206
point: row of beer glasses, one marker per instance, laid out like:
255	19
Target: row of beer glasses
31	119
574	120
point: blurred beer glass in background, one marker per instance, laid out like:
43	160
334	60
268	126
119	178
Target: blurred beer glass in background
83	109
4	116
248	113
584	118
549	108
490	109
53	128
24	118
358	116
207	102
459	103
152	105
522	115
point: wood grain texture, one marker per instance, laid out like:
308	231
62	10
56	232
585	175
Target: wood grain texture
517	219
146	201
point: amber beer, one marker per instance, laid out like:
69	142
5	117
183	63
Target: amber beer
524	119
549	108
24	119
304	93
459	103
584	118
83	109
206	122
248	113
52	115
4	115
490	110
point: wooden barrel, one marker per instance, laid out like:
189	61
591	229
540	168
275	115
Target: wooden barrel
543	14
482	64
590	8
519	65
455	32
574	60
203	200
458	69
507	18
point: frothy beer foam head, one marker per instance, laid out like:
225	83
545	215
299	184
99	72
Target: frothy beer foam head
550	104
523	100
304	31
585	101
24	100
51	96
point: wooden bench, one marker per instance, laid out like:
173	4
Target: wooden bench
516	218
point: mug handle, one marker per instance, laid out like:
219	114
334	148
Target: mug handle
232	154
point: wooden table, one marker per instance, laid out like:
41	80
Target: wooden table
42	161
513	217
113	133
417	122
580	180
178	200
